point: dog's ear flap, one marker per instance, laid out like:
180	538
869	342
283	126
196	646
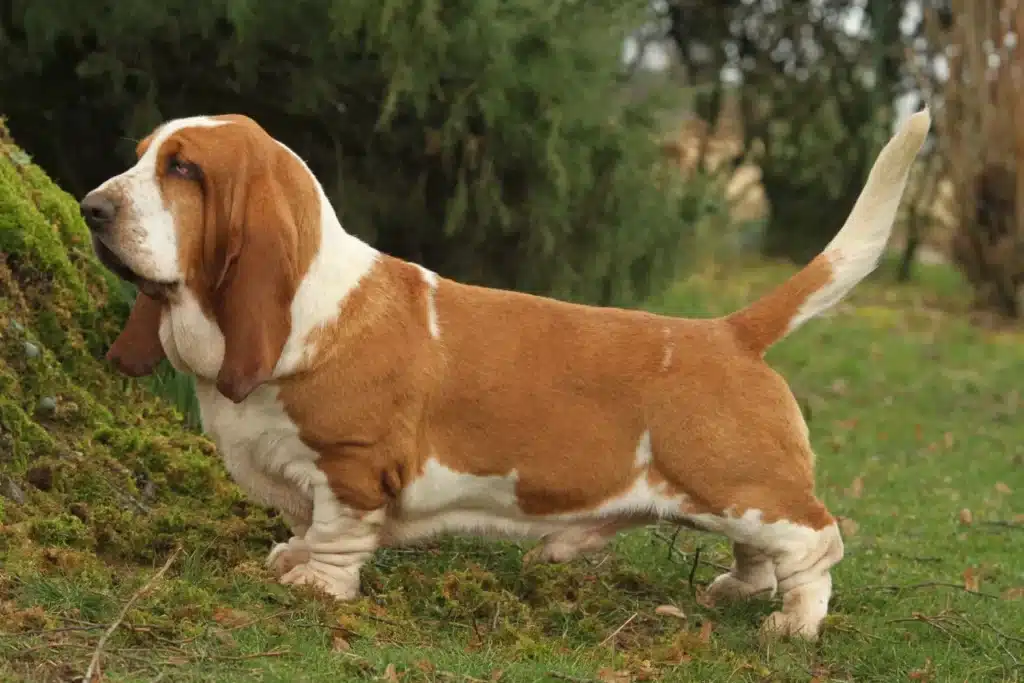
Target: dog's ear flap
137	350
256	281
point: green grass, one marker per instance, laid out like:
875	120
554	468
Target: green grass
914	413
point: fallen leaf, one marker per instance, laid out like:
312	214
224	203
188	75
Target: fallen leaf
390	674
856	488
971	580
645	672
496	675
966	518
425	666
1013	594
705	632
607	675
1002	488
848	526
923	674
225	616
669	611
339	644
820	675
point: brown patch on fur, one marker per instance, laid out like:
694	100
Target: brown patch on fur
137	350
361	405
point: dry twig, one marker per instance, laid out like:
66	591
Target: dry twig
254	655
693	569
674	549
567	677
92	672
934	622
925	584
619	629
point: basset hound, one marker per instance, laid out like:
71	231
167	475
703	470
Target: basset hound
374	402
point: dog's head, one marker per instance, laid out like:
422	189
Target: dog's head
217	213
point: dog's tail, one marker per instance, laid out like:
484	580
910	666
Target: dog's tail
851	255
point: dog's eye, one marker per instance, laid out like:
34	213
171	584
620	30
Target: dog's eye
179	168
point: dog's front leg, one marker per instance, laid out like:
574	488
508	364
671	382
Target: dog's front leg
339	541
274	491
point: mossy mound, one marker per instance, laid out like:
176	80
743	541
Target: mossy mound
92	466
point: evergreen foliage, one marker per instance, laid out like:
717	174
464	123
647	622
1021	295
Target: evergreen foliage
490	140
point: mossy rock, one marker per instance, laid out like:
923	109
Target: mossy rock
90	460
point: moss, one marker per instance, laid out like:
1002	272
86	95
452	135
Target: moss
106	467
62	530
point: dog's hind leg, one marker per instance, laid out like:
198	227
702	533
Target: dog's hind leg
568	544
793	557
752	574
804	575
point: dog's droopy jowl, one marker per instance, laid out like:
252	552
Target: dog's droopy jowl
375	403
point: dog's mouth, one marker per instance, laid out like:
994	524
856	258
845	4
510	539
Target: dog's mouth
114	263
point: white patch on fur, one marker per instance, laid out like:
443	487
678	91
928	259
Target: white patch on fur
341	262
145	236
430	278
439	488
748	528
643	450
261	447
666	359
442	500
800	558
339	541
193	342
855	251
642	499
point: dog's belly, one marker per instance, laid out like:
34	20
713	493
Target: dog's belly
441	500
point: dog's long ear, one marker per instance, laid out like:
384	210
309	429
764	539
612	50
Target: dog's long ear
137	350
255	270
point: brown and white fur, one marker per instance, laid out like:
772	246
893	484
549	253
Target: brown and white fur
375	403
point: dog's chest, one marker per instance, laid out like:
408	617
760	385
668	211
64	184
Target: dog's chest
258	441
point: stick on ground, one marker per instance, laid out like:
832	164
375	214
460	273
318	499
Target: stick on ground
92	673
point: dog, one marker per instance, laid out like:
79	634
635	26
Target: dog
374	403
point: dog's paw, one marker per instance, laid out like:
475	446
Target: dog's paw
341	583
551	553
285	556
788	624
726	588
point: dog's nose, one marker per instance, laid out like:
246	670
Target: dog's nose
98	211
